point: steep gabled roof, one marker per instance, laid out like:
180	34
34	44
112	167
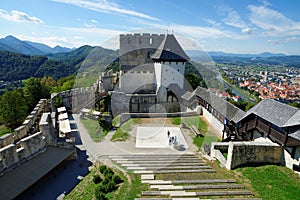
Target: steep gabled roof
170	50
231	112
279	114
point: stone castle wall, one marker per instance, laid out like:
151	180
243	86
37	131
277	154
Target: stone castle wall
29	126
246	153
13	155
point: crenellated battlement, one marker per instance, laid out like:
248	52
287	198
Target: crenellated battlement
131	42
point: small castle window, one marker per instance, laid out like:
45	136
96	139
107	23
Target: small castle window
144	72
150	41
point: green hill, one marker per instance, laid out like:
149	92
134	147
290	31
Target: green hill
15	66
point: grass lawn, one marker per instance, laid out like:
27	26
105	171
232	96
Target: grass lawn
122	133
273	182
197	122
96	132
176	120
201	141
129	189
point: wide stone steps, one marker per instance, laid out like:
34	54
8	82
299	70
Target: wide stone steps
173	171
204	181
182	193
163	165
195	198
168	167
158	161
150	166
196	187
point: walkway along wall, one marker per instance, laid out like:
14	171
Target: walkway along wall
30	139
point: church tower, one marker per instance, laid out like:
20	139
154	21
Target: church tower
169	65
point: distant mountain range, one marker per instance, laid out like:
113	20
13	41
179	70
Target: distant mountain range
265	58
13	44
198	53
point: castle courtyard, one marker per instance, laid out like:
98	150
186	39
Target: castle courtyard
157	137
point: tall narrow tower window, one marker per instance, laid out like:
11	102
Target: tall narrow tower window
150	41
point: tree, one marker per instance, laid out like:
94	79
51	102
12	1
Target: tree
195	80
295	104
13	108
34	90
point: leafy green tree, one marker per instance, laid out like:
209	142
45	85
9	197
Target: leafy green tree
33	91
13	108
295	104
195	80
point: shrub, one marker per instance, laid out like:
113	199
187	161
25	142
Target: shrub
108	172
97	179
116	179
102	168
99	194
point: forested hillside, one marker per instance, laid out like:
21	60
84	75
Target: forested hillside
14	66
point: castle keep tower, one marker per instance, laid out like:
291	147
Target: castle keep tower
150	65
169	64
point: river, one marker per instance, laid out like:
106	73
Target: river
234	90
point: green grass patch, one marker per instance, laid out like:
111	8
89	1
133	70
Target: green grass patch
129	189
116	121
197	122
176	120
85	189
273	182
4	130
201	141
122	133
225	154
97	130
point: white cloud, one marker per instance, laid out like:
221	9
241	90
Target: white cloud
234	19
18	16
285	40
51	41
292	40
94	21
273	42
106	7
272	22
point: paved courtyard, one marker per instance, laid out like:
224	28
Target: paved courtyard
157	137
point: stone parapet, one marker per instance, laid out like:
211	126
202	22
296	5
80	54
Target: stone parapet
246	153
13	155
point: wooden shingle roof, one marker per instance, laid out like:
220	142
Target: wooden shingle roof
279	114
231	112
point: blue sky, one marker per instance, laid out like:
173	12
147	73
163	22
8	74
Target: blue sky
236	26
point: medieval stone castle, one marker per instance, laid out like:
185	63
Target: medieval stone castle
150	80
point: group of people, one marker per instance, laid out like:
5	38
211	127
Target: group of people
172	139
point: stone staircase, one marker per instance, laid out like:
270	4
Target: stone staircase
175	177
